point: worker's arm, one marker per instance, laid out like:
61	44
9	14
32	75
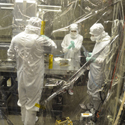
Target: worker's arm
64	44
11	51
46	44
78	44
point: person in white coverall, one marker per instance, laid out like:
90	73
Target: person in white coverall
96	73
28	49
71	46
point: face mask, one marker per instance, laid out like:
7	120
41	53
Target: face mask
73	34
93	38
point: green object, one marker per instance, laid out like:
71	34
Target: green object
90	58
87	54
70	46
72	43
45	37
90	54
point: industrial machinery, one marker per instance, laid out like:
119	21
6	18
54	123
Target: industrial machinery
57	15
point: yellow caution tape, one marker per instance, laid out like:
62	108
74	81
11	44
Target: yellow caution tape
42	28
50	61
40	106
79	1
59	122
37	105
85	113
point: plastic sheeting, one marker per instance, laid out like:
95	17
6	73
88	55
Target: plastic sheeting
56	103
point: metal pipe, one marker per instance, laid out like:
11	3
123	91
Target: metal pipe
49	6
7	4
52	10
7	8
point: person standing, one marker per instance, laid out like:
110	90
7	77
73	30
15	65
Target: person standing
96	72
71	46
27	48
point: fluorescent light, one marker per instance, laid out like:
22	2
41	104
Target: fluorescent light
31	1
40	9
19	20
19	1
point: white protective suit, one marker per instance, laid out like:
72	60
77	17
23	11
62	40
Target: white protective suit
101	49
73	53
28	49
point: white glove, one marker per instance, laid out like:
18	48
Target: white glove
99	60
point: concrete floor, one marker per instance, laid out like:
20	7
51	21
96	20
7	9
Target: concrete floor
70	108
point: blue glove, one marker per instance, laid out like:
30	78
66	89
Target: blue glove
89	58
73	44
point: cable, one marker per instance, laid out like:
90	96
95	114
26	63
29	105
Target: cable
4	116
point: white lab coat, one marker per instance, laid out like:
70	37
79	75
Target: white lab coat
28	50
73	53
96	73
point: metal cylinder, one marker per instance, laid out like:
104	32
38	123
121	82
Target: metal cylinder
42	27
50	61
